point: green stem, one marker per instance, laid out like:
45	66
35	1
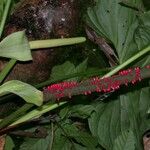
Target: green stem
8	2
38	112
55	42
130	60
7	69
21	111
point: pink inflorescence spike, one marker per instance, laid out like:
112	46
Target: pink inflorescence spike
96	84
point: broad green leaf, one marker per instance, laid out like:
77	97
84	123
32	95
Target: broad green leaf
81	137
64	112
128	111
79	147
80	68
137	4
36	143
9	144
60	70
16	46
128	34
86	139
61	142
142	35
117	24
69	135
67	69
81	111
29	93
125	141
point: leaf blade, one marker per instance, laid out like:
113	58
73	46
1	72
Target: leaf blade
24	90
16	46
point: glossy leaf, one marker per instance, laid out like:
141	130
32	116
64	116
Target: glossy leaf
29	93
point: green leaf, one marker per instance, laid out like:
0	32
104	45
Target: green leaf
137	4
67	69
117	24
86	139
64	112
142	35
81	137
64	69
4	11
81	111
126	141
128	34
9	144
36	143
24	90
80	68
16	46
61	142
69	135
79	147
128	111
